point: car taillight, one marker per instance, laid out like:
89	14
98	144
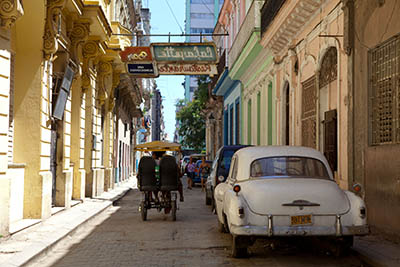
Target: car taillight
357	188
220	179
236	188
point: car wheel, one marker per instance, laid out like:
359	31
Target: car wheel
223	227
213	208
342	246
208	200
239	247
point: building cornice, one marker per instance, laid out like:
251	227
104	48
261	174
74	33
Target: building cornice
10	11
288	23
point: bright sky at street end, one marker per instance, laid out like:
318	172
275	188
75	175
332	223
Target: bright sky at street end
163	22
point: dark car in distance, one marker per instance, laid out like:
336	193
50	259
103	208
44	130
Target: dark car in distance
220	170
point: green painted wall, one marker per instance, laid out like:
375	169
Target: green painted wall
270	115
249	122
259	118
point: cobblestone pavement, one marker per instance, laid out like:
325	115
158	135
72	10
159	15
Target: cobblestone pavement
118	237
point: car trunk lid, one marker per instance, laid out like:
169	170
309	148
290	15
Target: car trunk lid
294	196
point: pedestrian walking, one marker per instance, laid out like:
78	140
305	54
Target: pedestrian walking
204	172
190	169
156	156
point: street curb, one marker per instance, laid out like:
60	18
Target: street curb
368	260
120	195
37	249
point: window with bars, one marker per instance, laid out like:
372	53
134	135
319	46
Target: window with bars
384	92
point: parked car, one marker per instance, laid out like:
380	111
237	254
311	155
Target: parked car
197	171
276	191
220	167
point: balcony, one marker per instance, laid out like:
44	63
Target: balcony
269	11
250	24
220	69
282	20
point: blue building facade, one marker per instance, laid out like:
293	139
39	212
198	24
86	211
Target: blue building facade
230	90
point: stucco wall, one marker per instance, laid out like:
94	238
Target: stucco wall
377	167
4	104
313	41
31	109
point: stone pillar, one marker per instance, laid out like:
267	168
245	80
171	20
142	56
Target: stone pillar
78	35
90	51
31	110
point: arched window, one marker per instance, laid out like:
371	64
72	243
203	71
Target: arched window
328	72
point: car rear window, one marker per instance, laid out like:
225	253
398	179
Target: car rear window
296	167
226	158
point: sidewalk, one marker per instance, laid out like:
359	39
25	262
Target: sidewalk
22	247
376	251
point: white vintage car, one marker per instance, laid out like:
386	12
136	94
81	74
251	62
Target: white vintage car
274	191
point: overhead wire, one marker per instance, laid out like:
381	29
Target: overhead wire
204	4
173	14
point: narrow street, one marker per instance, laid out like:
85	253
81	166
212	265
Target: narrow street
118	237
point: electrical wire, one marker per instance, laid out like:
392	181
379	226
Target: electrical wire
204	4
173	14
390	19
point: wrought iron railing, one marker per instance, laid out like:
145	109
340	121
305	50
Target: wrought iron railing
268	13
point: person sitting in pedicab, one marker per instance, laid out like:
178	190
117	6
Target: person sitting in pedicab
157	155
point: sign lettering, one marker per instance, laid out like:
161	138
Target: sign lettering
142	69
187	69
185	52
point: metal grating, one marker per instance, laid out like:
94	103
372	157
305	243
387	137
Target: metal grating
384	92
308	121
328	72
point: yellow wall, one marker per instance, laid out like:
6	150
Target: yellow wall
31	109
5	56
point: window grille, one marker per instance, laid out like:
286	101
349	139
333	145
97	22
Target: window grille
308	118
328	72
384	92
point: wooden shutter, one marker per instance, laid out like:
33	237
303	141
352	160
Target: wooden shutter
330	138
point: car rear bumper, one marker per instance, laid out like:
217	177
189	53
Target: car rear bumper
309	230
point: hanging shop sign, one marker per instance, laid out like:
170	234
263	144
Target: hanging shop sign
136	53
184	52
187	69
139	62
140	69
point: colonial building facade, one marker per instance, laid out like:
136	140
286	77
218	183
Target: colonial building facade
372	41
58	84
310	77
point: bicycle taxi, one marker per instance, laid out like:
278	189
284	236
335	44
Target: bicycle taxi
162	179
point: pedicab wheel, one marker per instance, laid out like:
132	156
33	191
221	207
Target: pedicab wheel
208	200
143	211
173	210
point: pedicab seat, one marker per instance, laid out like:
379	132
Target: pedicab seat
147	175
168	173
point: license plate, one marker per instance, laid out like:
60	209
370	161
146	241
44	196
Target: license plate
301	220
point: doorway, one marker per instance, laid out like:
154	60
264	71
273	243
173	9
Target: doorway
286	106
